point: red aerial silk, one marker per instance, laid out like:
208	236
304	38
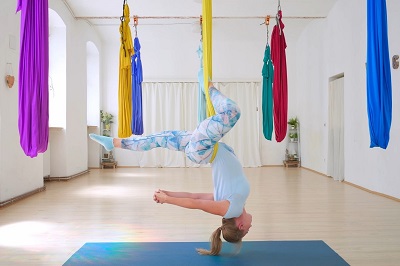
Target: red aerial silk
280	86
33	119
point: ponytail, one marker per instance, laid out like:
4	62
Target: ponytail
216	244
231	233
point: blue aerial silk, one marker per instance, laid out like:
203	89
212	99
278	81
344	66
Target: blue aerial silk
137	79
201	109
379	84
267	97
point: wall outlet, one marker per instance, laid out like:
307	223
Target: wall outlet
12	42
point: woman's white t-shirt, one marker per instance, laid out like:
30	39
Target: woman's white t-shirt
230	182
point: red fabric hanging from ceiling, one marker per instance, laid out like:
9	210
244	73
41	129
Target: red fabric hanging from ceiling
280	86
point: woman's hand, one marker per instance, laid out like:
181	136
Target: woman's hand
200	201
160	196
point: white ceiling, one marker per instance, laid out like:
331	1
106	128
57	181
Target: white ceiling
100	12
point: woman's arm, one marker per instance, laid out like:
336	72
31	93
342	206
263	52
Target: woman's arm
210	206
205	196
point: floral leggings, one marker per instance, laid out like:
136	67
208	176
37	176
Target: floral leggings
198	145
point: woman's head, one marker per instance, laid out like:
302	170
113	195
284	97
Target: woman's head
244	222
231	232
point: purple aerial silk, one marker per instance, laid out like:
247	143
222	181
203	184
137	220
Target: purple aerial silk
137	79
33	120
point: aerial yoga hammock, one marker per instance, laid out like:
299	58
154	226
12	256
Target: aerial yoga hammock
33	120
379	84
137	78
125	76
280	86
268	76
207	60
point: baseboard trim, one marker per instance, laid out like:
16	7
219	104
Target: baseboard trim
371	191
20	197
359	187
311	170
64	178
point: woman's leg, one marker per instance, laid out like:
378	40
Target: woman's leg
198	145
211	130
173	140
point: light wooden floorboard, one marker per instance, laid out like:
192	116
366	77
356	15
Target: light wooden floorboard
116	205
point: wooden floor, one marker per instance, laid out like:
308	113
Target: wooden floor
110	205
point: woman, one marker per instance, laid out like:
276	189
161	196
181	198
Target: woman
231	187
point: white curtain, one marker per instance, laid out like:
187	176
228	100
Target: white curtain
173	106
244	138
163	109
336	130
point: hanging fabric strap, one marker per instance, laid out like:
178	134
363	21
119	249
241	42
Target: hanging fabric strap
280	85
201	103
137	79
379	83
33	116
267	99
207	59
207	52
278	17
125	77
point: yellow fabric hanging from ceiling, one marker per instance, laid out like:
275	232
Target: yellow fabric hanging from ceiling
207	52
125	77
207	60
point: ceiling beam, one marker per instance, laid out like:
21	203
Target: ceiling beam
193	17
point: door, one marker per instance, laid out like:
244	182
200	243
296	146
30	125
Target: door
336	129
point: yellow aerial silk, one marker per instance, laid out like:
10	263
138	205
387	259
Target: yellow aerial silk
125	77
207	60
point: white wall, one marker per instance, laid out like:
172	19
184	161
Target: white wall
57	70
19	173
72	157
68	151
93	84
343	50
93	102
312	89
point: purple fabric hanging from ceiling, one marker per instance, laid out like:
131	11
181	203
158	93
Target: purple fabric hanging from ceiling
33	120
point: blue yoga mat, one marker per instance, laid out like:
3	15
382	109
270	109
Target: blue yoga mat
275	253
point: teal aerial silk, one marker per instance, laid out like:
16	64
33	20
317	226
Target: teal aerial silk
201	109
379	84
267	98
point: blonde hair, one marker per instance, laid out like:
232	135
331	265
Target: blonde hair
230	233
